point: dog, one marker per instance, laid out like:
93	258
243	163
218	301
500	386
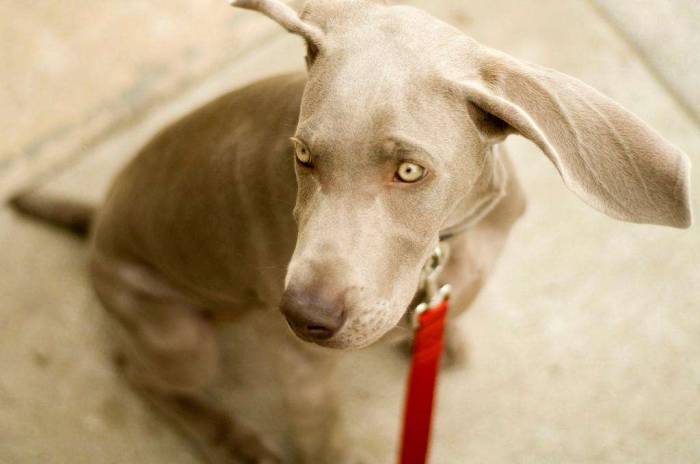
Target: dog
396	131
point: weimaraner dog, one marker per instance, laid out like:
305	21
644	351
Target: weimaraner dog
395	131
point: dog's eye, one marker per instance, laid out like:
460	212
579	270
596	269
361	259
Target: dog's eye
410	172
301	152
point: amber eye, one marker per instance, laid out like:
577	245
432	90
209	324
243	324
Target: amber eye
410	172
301	152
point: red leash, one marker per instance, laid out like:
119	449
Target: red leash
429	321
418	411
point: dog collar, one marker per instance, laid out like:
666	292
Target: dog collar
471	219
455	230
433	293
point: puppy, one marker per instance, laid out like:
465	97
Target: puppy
395	132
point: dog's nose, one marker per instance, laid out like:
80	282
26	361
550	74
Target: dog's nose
312	318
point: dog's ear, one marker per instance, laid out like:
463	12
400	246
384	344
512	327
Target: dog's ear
286	17
604	153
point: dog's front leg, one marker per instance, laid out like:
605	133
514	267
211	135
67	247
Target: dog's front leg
168	352
312	403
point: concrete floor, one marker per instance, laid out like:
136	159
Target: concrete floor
666	36
585	345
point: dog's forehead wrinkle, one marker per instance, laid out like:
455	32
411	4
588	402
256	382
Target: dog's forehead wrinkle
394	127
419	118
332	133
358	85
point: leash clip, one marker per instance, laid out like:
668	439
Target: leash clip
434	294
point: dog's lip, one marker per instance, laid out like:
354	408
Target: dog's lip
330	343
340	343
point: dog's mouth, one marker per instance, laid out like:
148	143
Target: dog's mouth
357	334
312	333
353	319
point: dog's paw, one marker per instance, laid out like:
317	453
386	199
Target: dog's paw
456	354
348	456
255	451
237	444
404	347
258	452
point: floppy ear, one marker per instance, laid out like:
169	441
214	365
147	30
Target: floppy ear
286	17
604	153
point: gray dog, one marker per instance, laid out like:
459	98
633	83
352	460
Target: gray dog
395	131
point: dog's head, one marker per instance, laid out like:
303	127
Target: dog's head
394	144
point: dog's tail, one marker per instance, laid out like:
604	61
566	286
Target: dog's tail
71	215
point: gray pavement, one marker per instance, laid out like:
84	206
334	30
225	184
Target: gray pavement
584	347
666	36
